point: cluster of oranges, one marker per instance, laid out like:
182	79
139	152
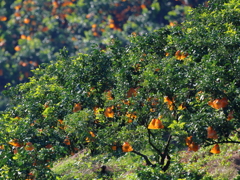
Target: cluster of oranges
211	134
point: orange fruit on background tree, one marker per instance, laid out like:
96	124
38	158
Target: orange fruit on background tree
3	18
26	21
68	3
230	115
23	36
94	26
17	48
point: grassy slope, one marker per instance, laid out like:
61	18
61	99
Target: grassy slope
223	166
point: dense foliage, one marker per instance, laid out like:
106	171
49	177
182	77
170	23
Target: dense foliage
178	86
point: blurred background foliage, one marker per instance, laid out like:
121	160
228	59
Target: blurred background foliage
33	31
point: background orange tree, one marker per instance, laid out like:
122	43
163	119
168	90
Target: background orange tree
175	87
33	31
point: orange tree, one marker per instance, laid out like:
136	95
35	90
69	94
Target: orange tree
33	31
178	86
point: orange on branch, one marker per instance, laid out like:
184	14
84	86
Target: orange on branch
132	92
88	16
109	95
94	26
29	146
48	146
181	107
180	55
77	107
23	36
68	3
188	140
218	103
211	133
60	121
3	18
230	115
131	117
114	148
92	134
67	141
126	147
143	6
109	112
155	124
111	25
14	143
17	7
193	147
215	149
26	21
17	48
169	102
17	14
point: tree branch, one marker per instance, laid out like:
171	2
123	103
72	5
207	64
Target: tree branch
221	142
149	140
165	154
145	157
167	164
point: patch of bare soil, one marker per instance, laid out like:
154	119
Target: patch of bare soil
235	159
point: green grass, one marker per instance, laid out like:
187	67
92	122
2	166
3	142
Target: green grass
193	165
223	166
84	166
